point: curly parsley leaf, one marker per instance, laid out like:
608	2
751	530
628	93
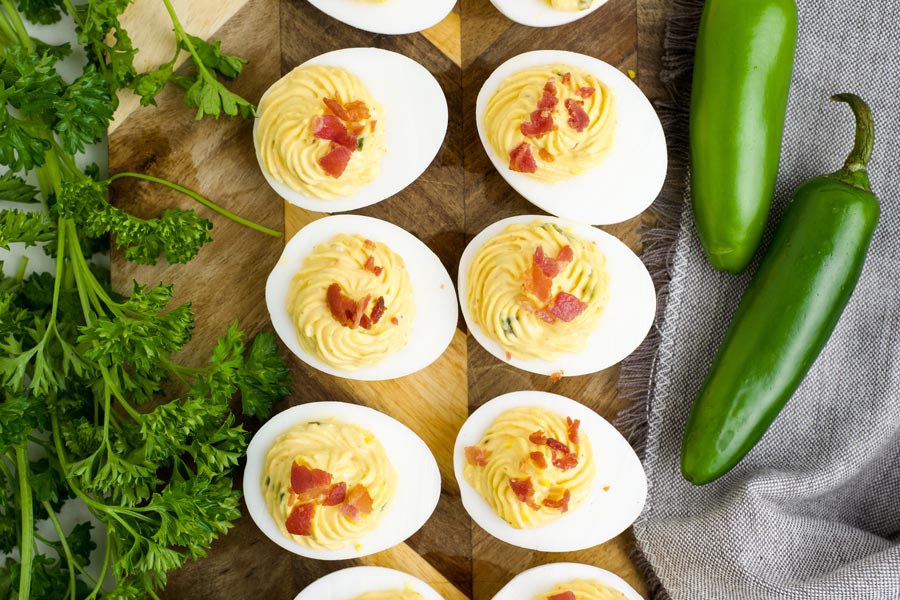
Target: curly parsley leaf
14	189
264	379
84	111
26	227
210	55
44	12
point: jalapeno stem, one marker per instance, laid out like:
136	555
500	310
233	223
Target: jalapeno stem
865	134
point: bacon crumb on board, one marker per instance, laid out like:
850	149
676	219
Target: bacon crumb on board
557	376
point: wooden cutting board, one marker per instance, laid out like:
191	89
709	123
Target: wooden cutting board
455	198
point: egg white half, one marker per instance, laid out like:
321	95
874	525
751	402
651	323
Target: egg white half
418	478
603	516
626	319
527	584
356	581
435	299
631	176
394	17
415	124
539	13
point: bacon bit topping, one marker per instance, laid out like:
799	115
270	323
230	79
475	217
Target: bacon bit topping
394	321
564	460
335	161
586	92
544	316
304	479
476	456
358	502
540	284
329	127
550	87
545	156
336	494
567	595
561	503
299	522
566	307
578	119
538	437
567	78
508	355
336	108
557	445
378	310
551	267
556	376
538	459
573	429
371	268
524	491
565	254
349	313
541	124
372	125
369	245
521	159
357	111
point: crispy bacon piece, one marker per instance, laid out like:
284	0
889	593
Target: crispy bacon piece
378	310
335	161
541	124
578	119
329	127
356	130
299	522
476	456
564	460
550	87
521	159
395	321
543	315
567	595
545	156
561	503
336	108
361	311
524	491
556	376
551	267
538	459
371	268
357	111
547	102
539	283
586	92
372	125
336	494
573	429
566	307
567	78
369	245
358	502
557	445
305	480
538	437
565	254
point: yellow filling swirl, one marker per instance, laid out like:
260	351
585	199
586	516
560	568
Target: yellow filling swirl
287	147
508	448
572	152
342	260
504	309
584	589
351	455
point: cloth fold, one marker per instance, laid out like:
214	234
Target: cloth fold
813	511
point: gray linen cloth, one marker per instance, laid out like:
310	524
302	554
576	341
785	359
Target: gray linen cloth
813	512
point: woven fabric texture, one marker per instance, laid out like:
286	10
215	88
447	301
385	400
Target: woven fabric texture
813	511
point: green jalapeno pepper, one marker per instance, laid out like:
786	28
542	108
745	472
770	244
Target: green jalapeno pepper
788	312
742	74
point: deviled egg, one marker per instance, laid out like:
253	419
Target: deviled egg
361	298
546	13
391	17
582	490
574	135
554	297
583	582
349	128
332	480
368	583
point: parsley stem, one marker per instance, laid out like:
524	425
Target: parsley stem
202	200
70	560
26	545
80	285
16	20
106	556
23	265
9	36
181	35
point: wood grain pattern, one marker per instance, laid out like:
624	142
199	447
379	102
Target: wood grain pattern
458	195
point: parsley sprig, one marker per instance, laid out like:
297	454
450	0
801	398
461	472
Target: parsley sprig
91	377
